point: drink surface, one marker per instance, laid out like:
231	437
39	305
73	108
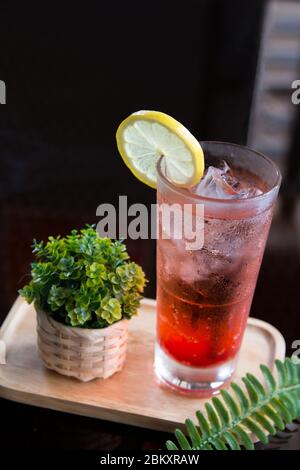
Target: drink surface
204	296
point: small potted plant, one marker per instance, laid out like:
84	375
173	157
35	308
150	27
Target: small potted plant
84	289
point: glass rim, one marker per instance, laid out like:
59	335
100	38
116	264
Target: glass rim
184	191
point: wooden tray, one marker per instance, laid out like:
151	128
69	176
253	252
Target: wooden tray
131	396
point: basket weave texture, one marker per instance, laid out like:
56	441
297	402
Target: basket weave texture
81	352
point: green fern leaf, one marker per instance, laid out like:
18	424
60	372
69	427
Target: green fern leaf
293	372
277	420
288	370
244	403
231	405
213	418
182	440
257	409
171	446
243	437
251	391
265	423
290	405
218	444
281	373
257	385
282	410
231	441
268	377
204	426
221	410
256	429
193	433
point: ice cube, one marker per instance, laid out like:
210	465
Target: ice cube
221	183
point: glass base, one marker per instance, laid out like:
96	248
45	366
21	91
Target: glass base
193	381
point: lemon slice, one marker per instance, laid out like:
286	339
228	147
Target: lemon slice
145	136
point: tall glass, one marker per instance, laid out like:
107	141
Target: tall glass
204	295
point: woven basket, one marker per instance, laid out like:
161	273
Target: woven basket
80	352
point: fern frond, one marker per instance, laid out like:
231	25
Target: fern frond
256	409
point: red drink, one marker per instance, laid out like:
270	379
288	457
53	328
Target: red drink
204	295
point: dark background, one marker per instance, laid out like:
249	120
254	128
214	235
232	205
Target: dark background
72	78
72	75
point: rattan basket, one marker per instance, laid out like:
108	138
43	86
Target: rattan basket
80	352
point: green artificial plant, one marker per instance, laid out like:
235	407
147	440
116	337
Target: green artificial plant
83	280
259	410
